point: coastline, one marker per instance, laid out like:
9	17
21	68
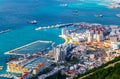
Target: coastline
67	40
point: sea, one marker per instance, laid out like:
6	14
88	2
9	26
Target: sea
15	14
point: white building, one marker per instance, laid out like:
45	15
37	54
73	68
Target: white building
114	45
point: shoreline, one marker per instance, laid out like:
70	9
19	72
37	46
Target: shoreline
67	40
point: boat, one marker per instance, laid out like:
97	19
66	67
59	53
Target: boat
118	15
33	22
39	28
1	67
98	15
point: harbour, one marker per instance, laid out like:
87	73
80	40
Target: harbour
23	33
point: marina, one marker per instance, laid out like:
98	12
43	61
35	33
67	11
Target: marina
28	48
23	18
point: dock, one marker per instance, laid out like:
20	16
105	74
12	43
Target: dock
11	52
80	25
54	26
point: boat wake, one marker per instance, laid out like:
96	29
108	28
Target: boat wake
5	31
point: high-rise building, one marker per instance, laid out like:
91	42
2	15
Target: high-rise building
61	51
56	51
65	32
95	34
90	35
89	39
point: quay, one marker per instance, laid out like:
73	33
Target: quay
11	52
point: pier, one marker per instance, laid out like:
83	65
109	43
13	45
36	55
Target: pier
80	26
55	26
11	52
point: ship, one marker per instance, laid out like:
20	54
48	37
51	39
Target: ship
32	22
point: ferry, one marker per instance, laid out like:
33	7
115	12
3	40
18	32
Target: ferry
118	15
4	31
1	67
33	22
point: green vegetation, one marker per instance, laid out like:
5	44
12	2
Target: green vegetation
98	68
108	73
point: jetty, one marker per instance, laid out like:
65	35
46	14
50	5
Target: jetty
79	25
54	26
11	52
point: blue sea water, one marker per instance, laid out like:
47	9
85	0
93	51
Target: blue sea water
14	15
